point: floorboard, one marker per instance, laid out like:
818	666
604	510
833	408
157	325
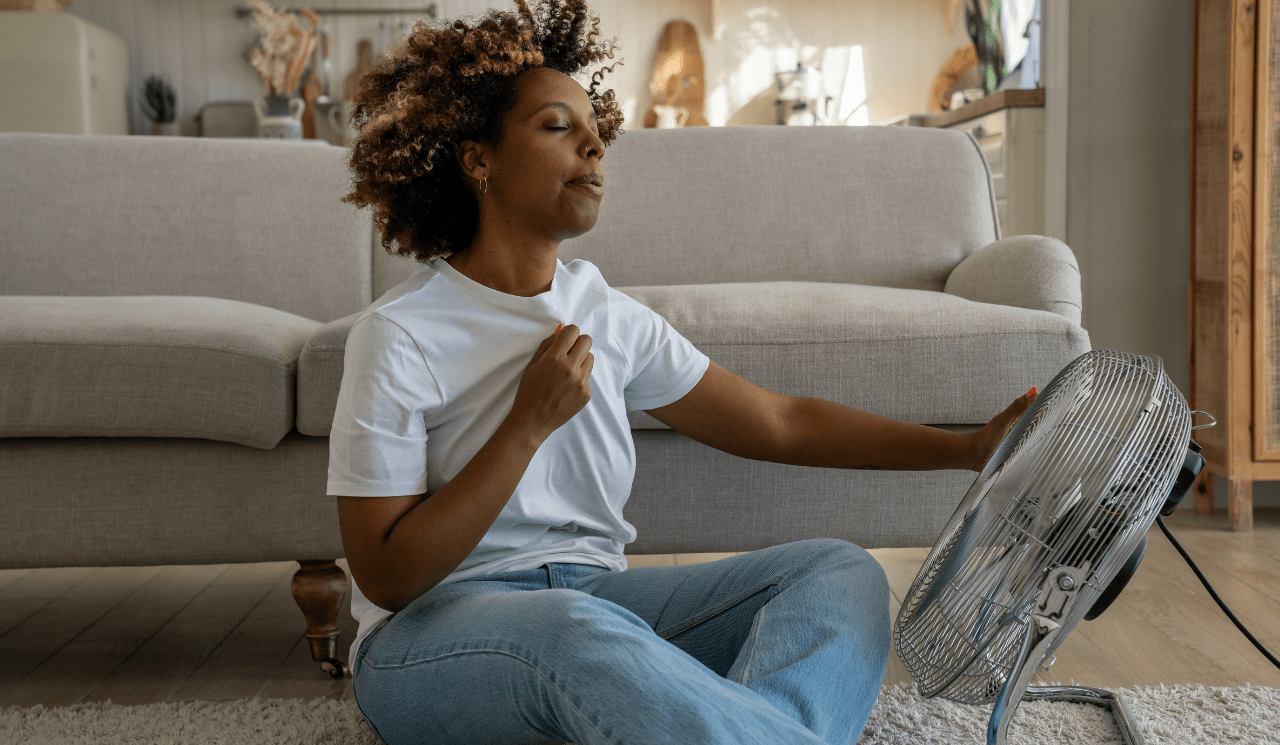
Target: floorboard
139	635
158	667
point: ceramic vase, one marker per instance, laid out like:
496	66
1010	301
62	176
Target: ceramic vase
671	117
279	117
165	128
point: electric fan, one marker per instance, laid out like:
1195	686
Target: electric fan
1049	533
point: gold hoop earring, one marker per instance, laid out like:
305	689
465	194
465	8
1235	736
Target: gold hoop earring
484	185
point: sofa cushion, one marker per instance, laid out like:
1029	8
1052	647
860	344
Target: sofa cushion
913	355
148	366
249	219
884	206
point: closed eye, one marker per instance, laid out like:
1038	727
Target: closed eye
557	127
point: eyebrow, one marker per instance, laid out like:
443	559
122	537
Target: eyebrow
566	107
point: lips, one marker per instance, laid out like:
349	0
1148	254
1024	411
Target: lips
592	183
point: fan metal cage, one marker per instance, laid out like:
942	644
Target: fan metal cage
1076	483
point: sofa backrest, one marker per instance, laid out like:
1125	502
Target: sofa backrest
887	206
260	221
252	220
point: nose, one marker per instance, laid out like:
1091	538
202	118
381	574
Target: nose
593	146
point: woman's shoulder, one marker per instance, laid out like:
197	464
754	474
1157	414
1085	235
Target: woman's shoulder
411	288
582	269
626	311
587	273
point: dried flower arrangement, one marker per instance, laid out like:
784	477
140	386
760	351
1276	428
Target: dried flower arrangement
283	47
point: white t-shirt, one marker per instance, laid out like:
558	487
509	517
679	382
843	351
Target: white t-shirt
431	370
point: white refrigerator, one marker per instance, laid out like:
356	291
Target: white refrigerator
61	74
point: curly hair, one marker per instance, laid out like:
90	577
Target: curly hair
443	85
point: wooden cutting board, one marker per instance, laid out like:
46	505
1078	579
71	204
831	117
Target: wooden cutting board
364	63
678	62
310	92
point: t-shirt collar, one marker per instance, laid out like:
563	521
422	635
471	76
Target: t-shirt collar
541	301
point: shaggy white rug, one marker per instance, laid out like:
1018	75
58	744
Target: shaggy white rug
1166	714
1176	714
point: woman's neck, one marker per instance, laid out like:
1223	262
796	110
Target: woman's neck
514	272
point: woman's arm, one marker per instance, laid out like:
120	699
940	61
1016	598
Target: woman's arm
732	414
398	548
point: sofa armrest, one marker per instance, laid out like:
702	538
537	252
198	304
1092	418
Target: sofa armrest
1025	271
320	367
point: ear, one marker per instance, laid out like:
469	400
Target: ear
473	159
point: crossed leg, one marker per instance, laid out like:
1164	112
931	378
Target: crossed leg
783	645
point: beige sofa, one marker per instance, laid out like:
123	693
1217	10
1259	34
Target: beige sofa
173	313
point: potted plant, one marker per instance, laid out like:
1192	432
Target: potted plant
159	106
279	58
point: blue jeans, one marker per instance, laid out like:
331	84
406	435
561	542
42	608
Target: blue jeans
786	644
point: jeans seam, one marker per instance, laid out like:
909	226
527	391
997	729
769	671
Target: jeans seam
717	610
752	636
361	653
754	633
506	653
356	697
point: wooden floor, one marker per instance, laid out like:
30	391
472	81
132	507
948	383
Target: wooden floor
139	635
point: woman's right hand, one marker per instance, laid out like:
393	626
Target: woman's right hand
556	382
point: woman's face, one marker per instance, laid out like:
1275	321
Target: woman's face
550	138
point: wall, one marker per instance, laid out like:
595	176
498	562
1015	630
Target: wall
901	45
1128	173
1128	180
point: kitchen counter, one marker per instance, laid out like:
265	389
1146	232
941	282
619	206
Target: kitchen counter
986	105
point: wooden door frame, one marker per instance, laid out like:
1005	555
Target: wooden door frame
1235	459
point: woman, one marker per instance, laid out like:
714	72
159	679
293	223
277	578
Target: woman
481	457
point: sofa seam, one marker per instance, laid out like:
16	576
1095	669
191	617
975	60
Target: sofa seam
985	335
1006	305
991	187
827	341
103	432
291	361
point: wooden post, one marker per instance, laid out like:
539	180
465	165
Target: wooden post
1223	316
1203	491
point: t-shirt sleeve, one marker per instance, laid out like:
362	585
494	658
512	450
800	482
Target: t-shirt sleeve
378	444
664	365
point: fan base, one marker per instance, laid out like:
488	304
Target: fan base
1114	703
1057	595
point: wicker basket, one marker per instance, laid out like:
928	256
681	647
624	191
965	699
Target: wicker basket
43	6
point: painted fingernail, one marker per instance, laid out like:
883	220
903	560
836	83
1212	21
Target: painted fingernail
559	327
1031	392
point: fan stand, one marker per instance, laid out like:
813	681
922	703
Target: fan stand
1057	594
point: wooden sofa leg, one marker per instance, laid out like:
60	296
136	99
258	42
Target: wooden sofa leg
318	588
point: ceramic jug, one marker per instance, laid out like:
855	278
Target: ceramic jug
670	117
279	117
339	118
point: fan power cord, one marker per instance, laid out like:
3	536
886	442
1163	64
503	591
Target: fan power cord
1214	595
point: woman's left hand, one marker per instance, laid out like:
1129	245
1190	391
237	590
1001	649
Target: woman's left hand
987	439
